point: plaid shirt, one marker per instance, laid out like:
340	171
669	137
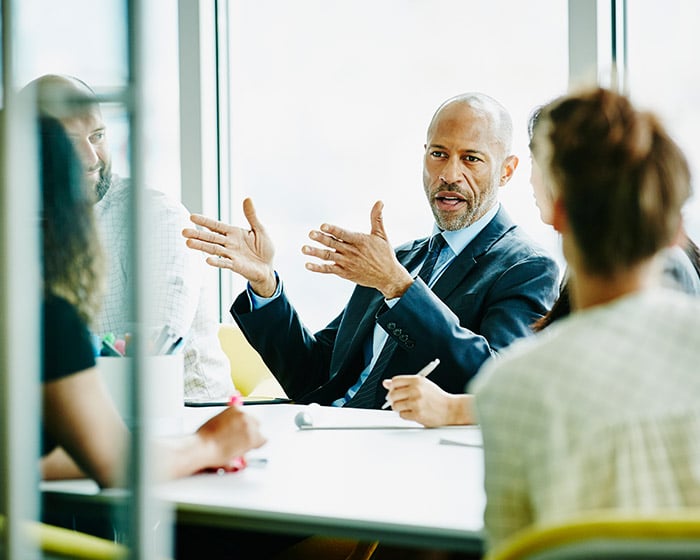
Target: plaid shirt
177	294
600	410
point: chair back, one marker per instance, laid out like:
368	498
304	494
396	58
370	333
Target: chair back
61	543
249	373
608	535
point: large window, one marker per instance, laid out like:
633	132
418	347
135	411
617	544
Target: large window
664	75
330	102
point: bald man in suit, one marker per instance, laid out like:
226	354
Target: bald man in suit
489	284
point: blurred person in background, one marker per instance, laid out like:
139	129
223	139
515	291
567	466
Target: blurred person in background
82	431
175	278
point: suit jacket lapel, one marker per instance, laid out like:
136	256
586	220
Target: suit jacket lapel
465	261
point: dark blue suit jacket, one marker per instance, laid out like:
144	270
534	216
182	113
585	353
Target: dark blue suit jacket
487	297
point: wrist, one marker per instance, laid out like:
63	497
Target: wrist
265	288
398	287
461	410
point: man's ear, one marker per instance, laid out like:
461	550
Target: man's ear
509	166
560	220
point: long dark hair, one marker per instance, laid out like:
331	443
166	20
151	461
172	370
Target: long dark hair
72	258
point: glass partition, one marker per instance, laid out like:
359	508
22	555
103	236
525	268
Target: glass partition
110	45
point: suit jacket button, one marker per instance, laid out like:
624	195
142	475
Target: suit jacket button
403	338
410	344
391	326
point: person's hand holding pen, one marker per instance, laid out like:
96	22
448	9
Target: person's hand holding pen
228	436
424	372
417	398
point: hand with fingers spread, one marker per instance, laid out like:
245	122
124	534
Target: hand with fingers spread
248	252
419	399
365	259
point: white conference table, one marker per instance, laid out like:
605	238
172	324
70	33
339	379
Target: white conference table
373	477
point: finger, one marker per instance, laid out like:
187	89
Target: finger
210	248
323	254
389	398
324	238
377	220
323	268
190	233
400	404
408	414
338	248
340	234
209	223
217	262
401	381
204	235
251	215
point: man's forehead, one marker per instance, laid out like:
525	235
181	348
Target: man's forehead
475	128
467	113
462	115
84	122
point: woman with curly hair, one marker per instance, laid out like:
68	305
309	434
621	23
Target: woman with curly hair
82	431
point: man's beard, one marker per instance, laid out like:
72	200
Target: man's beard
104	183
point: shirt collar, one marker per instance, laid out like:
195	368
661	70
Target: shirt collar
457	240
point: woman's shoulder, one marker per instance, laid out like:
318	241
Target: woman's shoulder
67	345
61	311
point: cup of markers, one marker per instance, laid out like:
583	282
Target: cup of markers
110	345
162	378
166	342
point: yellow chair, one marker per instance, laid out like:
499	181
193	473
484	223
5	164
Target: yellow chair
608	535
249	373
57	542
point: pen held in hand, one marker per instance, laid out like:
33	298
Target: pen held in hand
422	373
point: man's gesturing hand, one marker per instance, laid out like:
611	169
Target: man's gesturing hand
366	259
248	252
